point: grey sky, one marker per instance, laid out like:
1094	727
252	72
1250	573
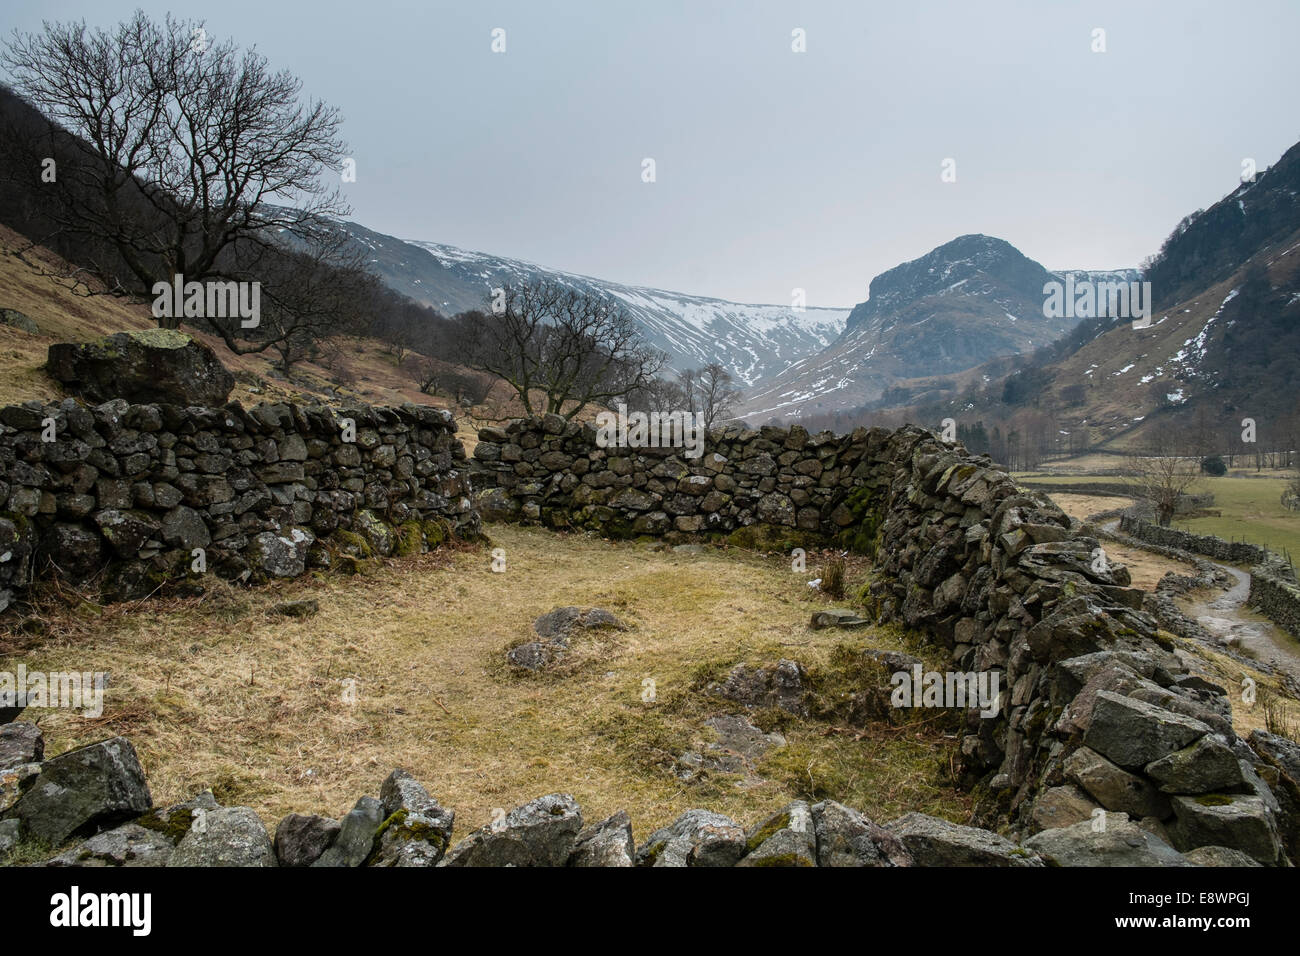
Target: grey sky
778	170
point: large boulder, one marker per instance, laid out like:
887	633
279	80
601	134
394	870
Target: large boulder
1237	821
143	367
85	790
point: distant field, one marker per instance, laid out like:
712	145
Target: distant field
1251	510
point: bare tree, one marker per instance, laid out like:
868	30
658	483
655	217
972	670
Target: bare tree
183	147
717	396
573	347
660	395
1162	477
307	294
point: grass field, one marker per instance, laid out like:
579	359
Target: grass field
1251	509
220	692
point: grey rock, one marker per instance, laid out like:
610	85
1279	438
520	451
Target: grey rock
85	790
11	832
280	556
1237	821
696	838
846	837
301	840
1113	787
153	365
17	320
1059	807
534	655
182	527
788	838
935	842
781	685
1133	733
1206	766
16	780
20	743
356	837
127	845
416	830
226	836
563	621
1218	856
540	833
1120	843
608	843
837	617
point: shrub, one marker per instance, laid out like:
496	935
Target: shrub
1213	465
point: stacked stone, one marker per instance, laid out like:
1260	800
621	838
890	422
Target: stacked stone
133	490
552	471
1234	552
1100	712
94	805
1098	709
1275	593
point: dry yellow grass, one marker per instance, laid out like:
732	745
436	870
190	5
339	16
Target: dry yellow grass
1145	567
219	692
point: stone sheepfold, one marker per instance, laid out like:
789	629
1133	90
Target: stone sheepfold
1110	745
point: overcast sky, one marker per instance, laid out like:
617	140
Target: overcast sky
777	169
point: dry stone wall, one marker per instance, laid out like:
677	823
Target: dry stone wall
1234	552
126	499
1100	709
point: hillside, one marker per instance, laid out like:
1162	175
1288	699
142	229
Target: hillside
965	302
753	342
361	371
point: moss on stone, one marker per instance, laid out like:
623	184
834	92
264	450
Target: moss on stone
436	532
173	826
782	859
353	544
779	822
408	540
1213	800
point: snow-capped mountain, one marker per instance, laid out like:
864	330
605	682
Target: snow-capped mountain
753	342
961	304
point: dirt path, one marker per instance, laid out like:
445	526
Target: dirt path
1230	621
